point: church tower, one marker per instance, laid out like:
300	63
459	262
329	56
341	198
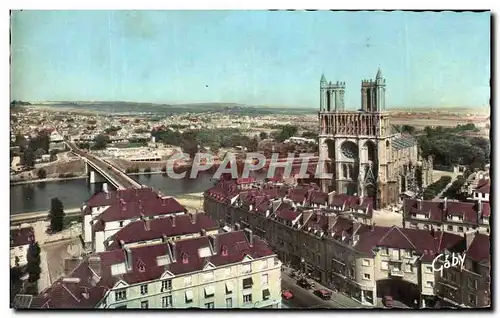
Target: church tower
356	143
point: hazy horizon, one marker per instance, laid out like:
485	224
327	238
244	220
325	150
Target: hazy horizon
254	58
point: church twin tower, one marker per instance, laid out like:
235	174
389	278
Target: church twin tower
372	95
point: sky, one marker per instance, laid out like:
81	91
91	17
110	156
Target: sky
267	58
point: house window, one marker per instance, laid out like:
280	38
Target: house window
229	302
247	298
366	276
229	288
426	226
167	301
144	289
187	281
265	279
266	294
450	228
210	305
472	299
144	304
120	294
428	269
121	223
460	229
472	283
209	291
384	265
384	251
429	284
166	285
189	296
413	225
247	283
408	268
366	262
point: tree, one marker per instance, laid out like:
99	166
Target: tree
39	153
408	129
100	142
310	135
263	135
252	144
41	173
56	215
33	266
189	144
28	157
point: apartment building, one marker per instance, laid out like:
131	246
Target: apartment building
482	191
449	216
20	240
364	261
228	270
100	202
161	230
118	215
468	285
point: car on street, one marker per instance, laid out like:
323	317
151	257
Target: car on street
287	294
323	294
388	301
304	283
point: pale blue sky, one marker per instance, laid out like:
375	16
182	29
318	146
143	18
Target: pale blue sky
250	57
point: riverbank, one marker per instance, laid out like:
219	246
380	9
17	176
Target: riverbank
16	182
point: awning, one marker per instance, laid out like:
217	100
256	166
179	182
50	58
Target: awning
209	291
265	293
229	287
247	282
189	295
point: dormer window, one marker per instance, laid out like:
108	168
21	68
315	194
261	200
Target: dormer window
224	250
141	266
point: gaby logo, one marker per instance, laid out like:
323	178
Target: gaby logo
447	261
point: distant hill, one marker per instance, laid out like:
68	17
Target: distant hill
15	103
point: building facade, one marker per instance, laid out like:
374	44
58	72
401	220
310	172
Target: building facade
20	240
364	261
227	270
367	155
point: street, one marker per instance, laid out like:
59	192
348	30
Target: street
306	299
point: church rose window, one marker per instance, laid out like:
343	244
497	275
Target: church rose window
349	150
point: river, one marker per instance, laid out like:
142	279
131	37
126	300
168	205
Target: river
73	193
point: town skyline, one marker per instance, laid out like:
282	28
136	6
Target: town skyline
437	64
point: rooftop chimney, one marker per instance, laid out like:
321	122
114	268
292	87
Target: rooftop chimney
420	204
122	243
203	232
173	248
237	226
249	235
164	238
128	258
480	206
147	225
445	203
95	264
193	219
372	227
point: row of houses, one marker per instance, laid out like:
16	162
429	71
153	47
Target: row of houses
146	251
333	239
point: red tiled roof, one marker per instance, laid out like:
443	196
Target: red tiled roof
22	236
479	250
229	248
483	186
127	195
285	212
157	228
131	210
436	210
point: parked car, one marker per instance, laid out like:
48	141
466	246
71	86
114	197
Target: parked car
323	294
304	283
387	301
286	294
